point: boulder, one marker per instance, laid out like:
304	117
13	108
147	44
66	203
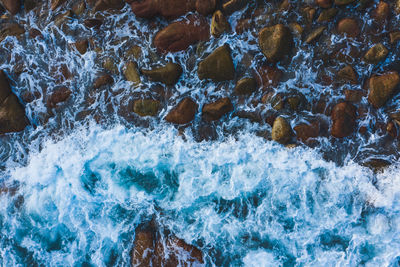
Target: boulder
353	95
59	95
394	37
131	72
12	6
215	111
348	26
179	35
218	66
275	42
305	131
103	79
281	131
146	107
343	120
376	54
168	74
206	7
219	24
382	87
183	113
245	86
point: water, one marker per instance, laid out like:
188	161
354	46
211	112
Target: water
83	176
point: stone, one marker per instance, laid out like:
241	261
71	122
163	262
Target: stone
245	86
168	74
56	3
179	35
82	46
215	110
343	117
59	95
315	34
381	12
183	113
10	29
12	6
343	2
275	42
347	74
353	95
324	3
93	23
102	5
376	54
146	107
104	79
131	72
281	131
327	14
382	87
348	26
232	6
206	7
305	131
394	37
78	8
219	24
268	77
218	66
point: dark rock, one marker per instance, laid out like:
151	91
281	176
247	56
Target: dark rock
93	23
59	95
33	33
206	7
315	34
306	131
78	8
104	79
218	66
268	77
347	74
281	131
146	107
394	37
56	3
180	35
376	165
327	14
343	2
11	29
233	5
102	5
353	95
245	86
219	24
382	12
275	42
348	26
82	46
168	74
183	113
343	120
382	87
376	54
13	6
215	111
324	3
391	129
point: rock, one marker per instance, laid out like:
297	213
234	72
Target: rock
397	6
245	86
281	131
268	77
93	23
353	95
12	6
56	3
183	113
168	74
233	5
10	29
315	34
382	87
62	18
376	54
135	51
324	3
178	36
206	7
343	120
275	42
12	113
59	95
347	74
327	14
143	249
102	5
219	24
215	111
33	33
394	37
306	131
218	66
309	14
82	46
391	129
146	107
131	72
382	12
348	26
343	2
78	8
276	101
29	5
376	165
104	79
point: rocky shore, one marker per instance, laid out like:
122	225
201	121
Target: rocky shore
303	72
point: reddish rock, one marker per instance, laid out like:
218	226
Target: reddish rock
218	66
205	7
104	79
275	42
382	87
382	12
343	120
353	95
102	5
305	131
183	113
268	77
93	23
347	74
13	6
215	111
180	35
324	3
33	33
59	95
348	26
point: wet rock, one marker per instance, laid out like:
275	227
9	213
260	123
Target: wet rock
348	26
146	107
179	35
29	5
327	14
315	34
219	24
218	66
382	12
135	51
131	72
275	42
215	111
59	95
343	120
206	7
11	29
168	74
376	54
309	14
324	3
397	6
62	18
245	86
104	79
306	131
376	165
268	77
61	73
82	46
276	101
394	37
343	2
353	95
391	129
12	6
347	74
102	5
93	23
143	249
56	3
33	33
382	87
79	8
233	5
281	131
109	65
183	113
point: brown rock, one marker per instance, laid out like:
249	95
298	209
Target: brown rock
82	46
394	37
131	72
347	74
376	54
102	5
343	120
10	29
78	8
327	14
281	131
168	74
219	24
93	23
382	87
104	79
56	3
245	86
146	107
205	7
215	111
33	33
306	131
218	66
353	95
143	248
324	3
315	34
391	129
348	26
268	77
183	113
13	6
233	5
382	12
275	42
343	2
180	35
59	95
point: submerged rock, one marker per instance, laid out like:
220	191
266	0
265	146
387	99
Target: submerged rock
281	131
218	66
12	6
168	74
183	113
215	111
376	54
382	87
343	120
146	107
275	42
268	77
